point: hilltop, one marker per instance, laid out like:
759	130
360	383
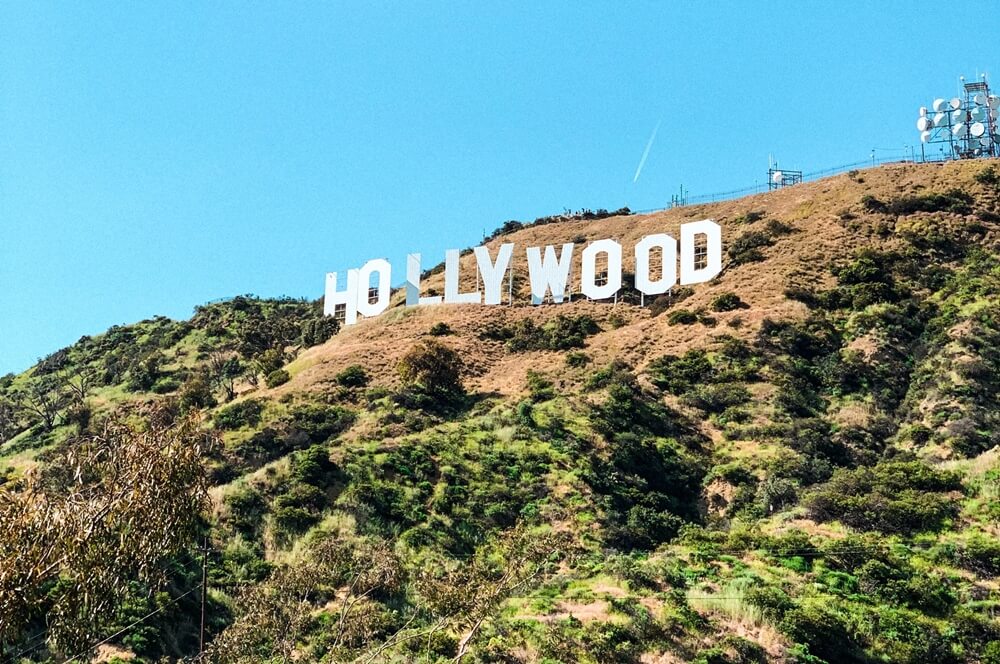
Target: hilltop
796	462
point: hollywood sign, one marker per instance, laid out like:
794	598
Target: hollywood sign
699	249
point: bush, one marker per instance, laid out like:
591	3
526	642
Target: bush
716	398
247	508
540	387
240	414
165	385
576	360
320	422
353	376
981	555
746	248
196	392
727	302
318	330
434	368
824	633
892	497
682	317
276	378
669	299
955	201
872	204
440	329
988	177
678	375
560	333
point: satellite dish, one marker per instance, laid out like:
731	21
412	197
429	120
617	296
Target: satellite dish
925	137
977	129
956	103
938	105
923	124
776	178
940	119
957	116
980	99
985	142
994	102
978	113
961	129
923	111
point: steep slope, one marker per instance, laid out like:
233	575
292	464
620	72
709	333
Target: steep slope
794	462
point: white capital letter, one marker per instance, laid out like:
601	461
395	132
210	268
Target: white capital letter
384	270
668	269
588	269
348	298
451	294
413	283
493	273
713	247
551	274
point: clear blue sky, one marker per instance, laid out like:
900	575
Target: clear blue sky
154	156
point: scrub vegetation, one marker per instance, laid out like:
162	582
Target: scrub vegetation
812	479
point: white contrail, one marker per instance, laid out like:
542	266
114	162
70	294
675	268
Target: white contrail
645	153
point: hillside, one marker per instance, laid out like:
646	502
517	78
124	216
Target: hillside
797	462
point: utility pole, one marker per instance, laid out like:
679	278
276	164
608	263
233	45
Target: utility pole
204	596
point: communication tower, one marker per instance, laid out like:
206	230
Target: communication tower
963	127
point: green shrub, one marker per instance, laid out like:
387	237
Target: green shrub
682	317
955	201
746	248
560	333
196	392
318	330
749	217
540	387
617	371
980	554
434	368
775	228
353	376
727	302
320	422
313	466
824	633
246	510
440	329
872	204
577	359
716	398
240	414
892	497
988	177
165	385
678	375
276	378
669	299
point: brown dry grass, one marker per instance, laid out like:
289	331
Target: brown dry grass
820	236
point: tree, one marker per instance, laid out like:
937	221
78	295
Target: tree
44	398
196	392
78	383
106	512
272	616
10	420
225	369
433	367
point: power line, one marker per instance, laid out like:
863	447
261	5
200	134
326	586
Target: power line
130	626
16	656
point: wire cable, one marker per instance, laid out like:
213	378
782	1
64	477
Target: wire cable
130	626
